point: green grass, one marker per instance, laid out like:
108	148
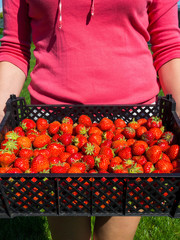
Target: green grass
36	228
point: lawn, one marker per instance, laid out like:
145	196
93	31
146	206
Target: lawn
36	228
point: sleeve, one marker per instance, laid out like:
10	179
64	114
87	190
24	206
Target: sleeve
164	31
16	40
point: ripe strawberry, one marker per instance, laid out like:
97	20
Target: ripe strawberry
22	164
54	161
165	157
64	156
80	165
105	124
118	130
75	157
39	164
176	163
95	138
6	159
54	127
164	145
10	145
11	135
129	132
94	129
60	168
71	149
108	135
24	142
55	149
102	162
93	171
85	120
127	163
74	170
142	121
157	132
79	140
125	153
42	124
119	144
168	136
67	120
14	170
25	153
120	169
148	137
119	123
164	166
89	160
65	139
140	159
41	141
90	149
173	152
154	153
19	131
139	147
66	128
136	168
118	136
140	131
106	143
45	152
133	124
27	124
154	122
148	167
107	151
80	129
130	141
4	169
114	162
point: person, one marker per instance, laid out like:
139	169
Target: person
91	52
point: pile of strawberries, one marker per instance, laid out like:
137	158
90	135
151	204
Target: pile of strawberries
142	146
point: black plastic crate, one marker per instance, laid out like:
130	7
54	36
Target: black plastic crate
90	194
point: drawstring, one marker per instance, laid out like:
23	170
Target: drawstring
60	12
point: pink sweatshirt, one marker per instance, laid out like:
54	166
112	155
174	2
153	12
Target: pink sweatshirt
99	55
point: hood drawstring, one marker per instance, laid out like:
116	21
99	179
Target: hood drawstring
60	12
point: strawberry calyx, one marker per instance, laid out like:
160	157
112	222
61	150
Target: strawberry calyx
89	149
135	169
12	135
10	145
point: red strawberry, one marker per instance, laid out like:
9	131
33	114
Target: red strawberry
131	141
6	159
19	131
14	170
133	124
165	157
75	157
106	143
129	132
154	122
55	149
119	144
65	139
125	153
54	160
71	149
94	129
4	169
164	145
148	167
22	164
80	129
139	147
148	137
108	135
24	142
39	164
140	159
95	138
120	169
118	136
142	121
85	120
154	153
67	120
157	132
45	152
80	165
136	168
119	123
54	127
11	135
140	131
42	124
10	146
80	140
89	160
164	166
173	152
107	151
90	149
74	170
102	162
127	163
114	162
25	153
66	128
27	124
168	136
176	163
41	141
105	124
60	168
64	156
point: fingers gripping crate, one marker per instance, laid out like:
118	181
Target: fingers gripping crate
89	194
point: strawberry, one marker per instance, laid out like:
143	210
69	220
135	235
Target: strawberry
130	141
25	153
102	162
148	137
154	122
4	169
114	162
140	131
173	152
119	144
118	136
108	135
95	138
74	170
54	160
71	149
19	131
139	147
64	156
120	169
80	129
55	149
140	159
27	124
75	157
66	128
80	165
45	152
41	141
164	166
53	127
39	164
133	124
11	135
106	143
65	139
14	170
168	136
7	158
142	121
89	160
60	168
93	171
154	153
165	157
42	124
157	132
176	163
136	168
148	167
67	120
105	124
79	140
129	132
85	120
107	151
90	149
94	129
22	164
125	153
164	145
119	123
10	146
24	142
127	163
